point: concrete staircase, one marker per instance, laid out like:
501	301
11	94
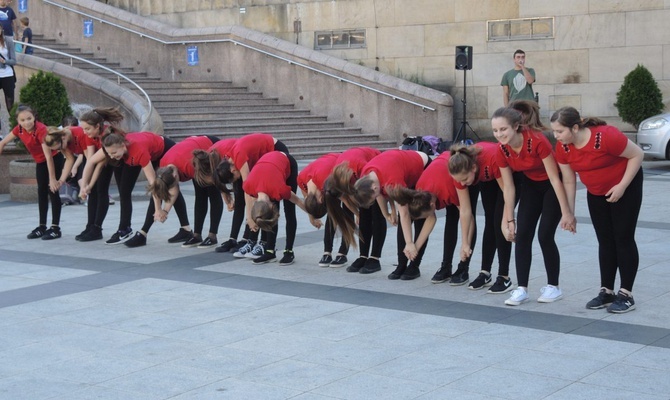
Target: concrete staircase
225	110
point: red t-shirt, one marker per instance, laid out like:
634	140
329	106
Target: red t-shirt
79	142
487	164
33	140
95	141
143	148
317	171
599	163
536	147
223	147
269	176
181	155
396	167
357	158
437	180
249	149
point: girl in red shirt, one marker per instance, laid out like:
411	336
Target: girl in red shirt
608	164
542	197
48	172
339	190
177	166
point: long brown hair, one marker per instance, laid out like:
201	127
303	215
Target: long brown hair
336	187
313	207
569	117
99	115
265	215
530	112
165	180
462	158
417	201
55	136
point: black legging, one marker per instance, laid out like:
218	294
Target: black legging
372	231
329	233
202	195
537	201
451	229
400	240
98	199
238	211
615	225
126	177
289	212
44	194
492	238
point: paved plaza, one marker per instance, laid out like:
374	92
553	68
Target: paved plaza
94	321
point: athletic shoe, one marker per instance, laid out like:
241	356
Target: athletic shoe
84	232
138	240
52	233
603	300
226	246
37	232
502	285
461	276
442	275
481	281
208	243
357	265
519	296
111	201
397	272
622	304
550	294
412	272
267	257
120	236
339	262
371	265
91	234
257	251
325	261
288	258
181	236
194	241
242	251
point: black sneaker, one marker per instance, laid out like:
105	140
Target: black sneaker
138	240
84	232
357	265
325	261
397	272
460	277
412	272
194	241
502	285
181	236
339	262
603	300
37	232
442	275
267	257
226	246
622	304
52	233
481	281
93	233
208	243
371	265
288	258
120	236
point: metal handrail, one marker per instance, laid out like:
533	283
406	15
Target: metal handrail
161	41
118	74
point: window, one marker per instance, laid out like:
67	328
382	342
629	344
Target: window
349	39
519	29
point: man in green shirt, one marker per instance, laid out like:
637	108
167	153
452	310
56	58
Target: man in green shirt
517	83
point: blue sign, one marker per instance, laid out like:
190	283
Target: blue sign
88	28
23	6
192	55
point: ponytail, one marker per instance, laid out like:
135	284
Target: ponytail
462	158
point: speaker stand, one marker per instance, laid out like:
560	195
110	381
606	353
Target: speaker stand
461	135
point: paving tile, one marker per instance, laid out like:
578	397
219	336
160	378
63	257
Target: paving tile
296	375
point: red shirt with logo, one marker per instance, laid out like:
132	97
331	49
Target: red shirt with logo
143	148
181	155
536	147
317	171
249	149
269	176
396	168
357	157
599	163
79	141
33	140
223	147
437	180
487	164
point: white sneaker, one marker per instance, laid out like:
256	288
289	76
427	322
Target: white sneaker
257	251
242	251
549	294
519	296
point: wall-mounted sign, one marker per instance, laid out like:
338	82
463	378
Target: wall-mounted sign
88	28
23	6
192	55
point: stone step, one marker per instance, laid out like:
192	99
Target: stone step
170	91
174	85
182	123
278	133
175	106
251	126
312	152
221	97
246	113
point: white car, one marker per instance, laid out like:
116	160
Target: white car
653	136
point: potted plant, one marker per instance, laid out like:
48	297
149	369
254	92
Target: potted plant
639	97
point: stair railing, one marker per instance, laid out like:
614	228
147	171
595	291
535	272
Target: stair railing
119	76
184	42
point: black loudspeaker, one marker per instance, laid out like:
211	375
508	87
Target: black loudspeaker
463	57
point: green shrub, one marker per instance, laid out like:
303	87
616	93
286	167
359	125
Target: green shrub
639	97
46	94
